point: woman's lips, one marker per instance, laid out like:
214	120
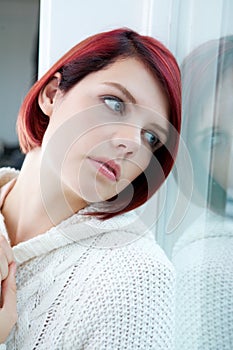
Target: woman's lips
108	168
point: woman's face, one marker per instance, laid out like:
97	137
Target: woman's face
103	132
214	140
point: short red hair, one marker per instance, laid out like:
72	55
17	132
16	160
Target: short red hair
91	55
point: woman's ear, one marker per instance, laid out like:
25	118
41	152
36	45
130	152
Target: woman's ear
48	94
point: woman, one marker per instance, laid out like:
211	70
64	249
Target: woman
100	130
207	127
203	254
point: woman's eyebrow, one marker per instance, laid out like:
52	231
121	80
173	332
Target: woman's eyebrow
122	89
208	130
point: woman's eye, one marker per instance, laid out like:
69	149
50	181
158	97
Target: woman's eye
114	103
218	138
151	138
214	140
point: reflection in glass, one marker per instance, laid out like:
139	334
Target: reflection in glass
203	254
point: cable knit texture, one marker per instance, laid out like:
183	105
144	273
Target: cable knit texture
204	295
92	285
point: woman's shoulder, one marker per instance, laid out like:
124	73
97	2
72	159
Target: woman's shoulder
134	261
146	256
208	227
128	238
118	251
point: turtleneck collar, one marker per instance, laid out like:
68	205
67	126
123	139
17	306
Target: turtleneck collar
80	228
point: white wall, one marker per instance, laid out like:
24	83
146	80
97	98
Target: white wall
179	24
66	22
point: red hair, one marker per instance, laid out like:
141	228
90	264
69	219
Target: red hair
91	55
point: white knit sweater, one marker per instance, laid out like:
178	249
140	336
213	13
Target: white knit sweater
204	295
87	284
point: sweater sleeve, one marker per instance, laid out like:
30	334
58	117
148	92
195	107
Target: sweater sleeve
129	307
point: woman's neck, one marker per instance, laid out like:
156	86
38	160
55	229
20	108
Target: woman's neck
37	202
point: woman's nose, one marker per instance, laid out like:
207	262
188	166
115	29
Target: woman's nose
127	140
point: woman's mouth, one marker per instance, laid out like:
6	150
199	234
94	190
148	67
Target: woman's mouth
108	168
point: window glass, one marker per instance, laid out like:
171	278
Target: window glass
198	214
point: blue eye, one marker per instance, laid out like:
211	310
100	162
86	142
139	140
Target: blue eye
218	139
215	139
151	138
114	103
